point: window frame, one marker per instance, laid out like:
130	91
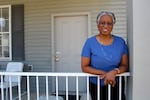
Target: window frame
9	32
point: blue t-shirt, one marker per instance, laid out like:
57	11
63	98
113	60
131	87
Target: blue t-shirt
104	57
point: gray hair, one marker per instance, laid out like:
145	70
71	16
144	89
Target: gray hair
106	13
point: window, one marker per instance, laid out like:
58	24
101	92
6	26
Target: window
5	33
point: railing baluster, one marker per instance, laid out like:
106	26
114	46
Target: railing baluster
98	88
87	88
19	88
120	87
37	87
10	87
2	89
28	88
109	92
77	88
125	85
47	88
56	87
66	87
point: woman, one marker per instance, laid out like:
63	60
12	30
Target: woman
105	55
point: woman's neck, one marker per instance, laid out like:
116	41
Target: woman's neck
105	39
102	36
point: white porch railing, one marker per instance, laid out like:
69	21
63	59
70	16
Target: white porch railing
46	84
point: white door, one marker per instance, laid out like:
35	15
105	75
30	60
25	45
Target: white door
70	34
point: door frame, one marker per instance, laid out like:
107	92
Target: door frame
53	16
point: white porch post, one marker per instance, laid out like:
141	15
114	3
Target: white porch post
138	26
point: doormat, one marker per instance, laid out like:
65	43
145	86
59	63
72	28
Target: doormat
50	98
70	97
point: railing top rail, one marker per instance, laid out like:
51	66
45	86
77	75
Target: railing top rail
55	74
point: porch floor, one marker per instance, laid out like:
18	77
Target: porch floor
33	96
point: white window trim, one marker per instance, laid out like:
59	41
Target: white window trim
10	35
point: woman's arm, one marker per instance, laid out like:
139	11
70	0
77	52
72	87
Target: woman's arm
110	76
85	64
124	64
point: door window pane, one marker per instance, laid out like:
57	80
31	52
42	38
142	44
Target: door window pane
5	39
0	12
2	23
5	27
6	51
5	13
0	39
0	51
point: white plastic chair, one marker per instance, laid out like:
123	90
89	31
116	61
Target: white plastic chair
12	67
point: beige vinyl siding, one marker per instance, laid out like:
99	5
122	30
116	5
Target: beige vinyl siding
38	24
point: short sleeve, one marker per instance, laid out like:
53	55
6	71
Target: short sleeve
86	51
125	48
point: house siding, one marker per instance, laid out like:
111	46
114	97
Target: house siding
37	24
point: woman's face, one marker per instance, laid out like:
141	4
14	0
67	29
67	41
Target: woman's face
105	25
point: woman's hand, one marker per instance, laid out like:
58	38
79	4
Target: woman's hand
109	78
